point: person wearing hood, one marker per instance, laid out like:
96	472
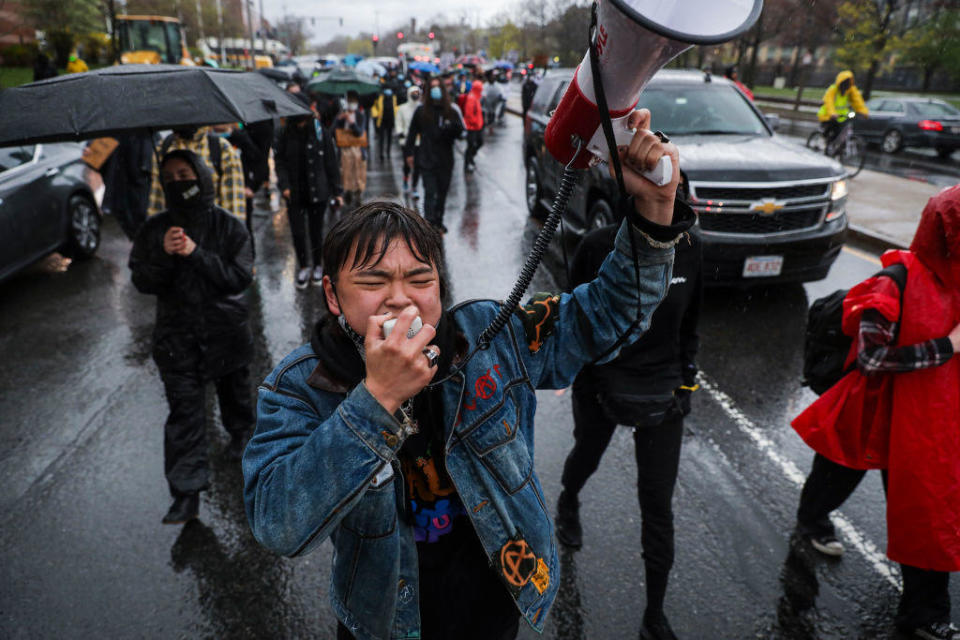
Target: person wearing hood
352	140
219	157
904	351
404	116
308	177
197	259
473	120
839	99
384	114
437	123
75	64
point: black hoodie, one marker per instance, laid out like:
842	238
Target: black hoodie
202	315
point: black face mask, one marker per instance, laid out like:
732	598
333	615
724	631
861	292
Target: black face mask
183	195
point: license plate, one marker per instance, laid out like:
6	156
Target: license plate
762	266
954	129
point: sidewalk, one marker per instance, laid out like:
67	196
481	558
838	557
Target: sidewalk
883	209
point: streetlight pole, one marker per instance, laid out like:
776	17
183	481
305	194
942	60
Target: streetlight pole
263	36
223	50
253	64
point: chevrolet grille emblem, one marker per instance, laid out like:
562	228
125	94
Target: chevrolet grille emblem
767	206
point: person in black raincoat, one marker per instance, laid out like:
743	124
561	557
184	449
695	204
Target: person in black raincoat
308	176
197	259
437	123
647	387
126	178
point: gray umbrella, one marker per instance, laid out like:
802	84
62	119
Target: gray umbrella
128	98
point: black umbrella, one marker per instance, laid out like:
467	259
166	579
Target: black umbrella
128	98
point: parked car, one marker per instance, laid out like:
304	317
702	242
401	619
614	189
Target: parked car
45	205
895	123
768	210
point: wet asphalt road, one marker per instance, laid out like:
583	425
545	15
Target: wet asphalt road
83	554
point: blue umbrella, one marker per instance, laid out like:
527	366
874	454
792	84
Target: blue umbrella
425	67
503	64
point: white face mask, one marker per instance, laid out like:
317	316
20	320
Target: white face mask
351	106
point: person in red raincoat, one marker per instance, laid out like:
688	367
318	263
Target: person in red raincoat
899	411
473	121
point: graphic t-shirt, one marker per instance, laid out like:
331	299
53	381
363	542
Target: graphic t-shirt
433	498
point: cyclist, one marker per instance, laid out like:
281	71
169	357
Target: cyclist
839	99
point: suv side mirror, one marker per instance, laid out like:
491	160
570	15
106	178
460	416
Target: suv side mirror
773	120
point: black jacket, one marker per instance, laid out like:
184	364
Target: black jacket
202	315
437	135
307	165
665	357
256	167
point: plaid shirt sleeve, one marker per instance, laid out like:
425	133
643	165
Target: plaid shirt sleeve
875	353
230	191
157	201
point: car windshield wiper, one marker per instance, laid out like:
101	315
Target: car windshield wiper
719	132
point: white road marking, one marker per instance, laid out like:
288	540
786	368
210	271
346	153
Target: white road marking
856	538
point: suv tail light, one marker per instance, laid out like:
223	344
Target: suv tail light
930	125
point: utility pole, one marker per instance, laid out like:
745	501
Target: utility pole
263	35
223	50
253	64
200	21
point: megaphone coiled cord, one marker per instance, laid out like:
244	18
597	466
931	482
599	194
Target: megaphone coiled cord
568	182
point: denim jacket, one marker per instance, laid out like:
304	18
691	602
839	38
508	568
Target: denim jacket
323	461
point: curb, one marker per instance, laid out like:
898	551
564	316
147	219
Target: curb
874	240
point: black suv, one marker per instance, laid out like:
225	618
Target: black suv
768	210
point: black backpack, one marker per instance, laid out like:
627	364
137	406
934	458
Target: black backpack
825	346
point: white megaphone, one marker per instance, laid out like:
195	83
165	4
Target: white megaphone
635	39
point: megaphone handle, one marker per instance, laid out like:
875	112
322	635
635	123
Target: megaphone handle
659	175
662	173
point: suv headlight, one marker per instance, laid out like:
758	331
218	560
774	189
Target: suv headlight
838	200
839	190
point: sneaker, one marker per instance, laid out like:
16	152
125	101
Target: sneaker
316	279
937	631
303	278
827	544
656	628
569	531
183	509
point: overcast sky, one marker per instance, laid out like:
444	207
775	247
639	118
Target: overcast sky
363	15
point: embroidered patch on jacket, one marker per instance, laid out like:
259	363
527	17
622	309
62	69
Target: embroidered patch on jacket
539	318
541	579
517	563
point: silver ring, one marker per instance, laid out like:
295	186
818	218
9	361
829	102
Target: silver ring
432	356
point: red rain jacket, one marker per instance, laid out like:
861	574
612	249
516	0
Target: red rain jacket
907	423
472	109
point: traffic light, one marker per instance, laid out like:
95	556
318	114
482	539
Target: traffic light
399	35
376	41
431	35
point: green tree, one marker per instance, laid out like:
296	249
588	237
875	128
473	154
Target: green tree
63	22
935	45
360	47
504	39
867	37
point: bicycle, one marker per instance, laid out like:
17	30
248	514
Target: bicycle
847	147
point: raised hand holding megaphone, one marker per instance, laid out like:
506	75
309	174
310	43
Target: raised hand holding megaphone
644	155
633	40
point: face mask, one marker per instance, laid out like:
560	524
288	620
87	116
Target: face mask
407	84
183	194
351	106
388	92
436	93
